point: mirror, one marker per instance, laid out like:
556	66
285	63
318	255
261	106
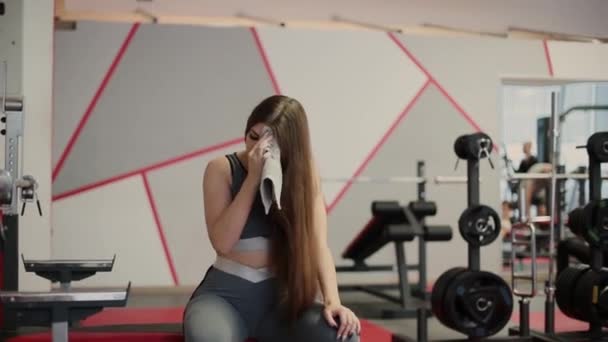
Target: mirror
582	109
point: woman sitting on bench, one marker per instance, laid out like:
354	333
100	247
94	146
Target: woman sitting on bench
270	265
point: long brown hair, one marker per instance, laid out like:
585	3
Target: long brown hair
294	251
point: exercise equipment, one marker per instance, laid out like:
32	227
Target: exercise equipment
396	179
466	299
524	233
65	306
58	308
580	291
479	225
392	222
14	188
475	303
591	223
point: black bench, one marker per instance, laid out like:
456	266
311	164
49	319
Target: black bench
393	223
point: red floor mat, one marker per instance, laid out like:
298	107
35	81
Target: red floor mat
103	337
130	316
116	316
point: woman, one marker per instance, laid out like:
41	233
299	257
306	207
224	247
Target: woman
270	267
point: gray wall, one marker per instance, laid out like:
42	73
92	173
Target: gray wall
180	96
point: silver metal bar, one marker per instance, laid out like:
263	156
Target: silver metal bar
583	108
79	263
12	104
450	180
14	130
396	179
24	183
521	196
63	295
554	164
60	331
530	176
362	179
550	282
540	219
518	230
4	91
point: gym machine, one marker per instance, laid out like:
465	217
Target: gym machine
58	308
394	223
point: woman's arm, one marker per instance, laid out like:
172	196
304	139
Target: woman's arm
327	269
225	218
349	323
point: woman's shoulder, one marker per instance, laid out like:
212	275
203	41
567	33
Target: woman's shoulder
218	167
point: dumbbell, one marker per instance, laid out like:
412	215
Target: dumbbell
476	303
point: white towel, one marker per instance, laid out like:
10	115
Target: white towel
272	177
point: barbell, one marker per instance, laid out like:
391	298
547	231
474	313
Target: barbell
448	179
396	179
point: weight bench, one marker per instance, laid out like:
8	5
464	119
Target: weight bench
64	307
392	222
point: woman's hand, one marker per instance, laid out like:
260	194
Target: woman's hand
256	157
349	323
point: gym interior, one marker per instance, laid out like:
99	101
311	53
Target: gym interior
460	145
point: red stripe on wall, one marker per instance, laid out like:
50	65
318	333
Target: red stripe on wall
149	168
377	147
260	46
87	114
459	108
548	57
160	230
433	80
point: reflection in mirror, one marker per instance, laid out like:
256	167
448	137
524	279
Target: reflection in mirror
582	109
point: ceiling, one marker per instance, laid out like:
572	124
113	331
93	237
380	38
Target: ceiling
577	19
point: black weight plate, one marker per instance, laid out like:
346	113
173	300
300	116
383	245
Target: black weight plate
438	293
478	303
460	146
576	221
597	147
479	225
564	289
585	297
595	228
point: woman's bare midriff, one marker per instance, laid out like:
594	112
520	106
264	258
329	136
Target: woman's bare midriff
254	259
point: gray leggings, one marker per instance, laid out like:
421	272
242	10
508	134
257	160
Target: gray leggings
227	308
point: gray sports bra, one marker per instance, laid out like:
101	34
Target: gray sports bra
256	233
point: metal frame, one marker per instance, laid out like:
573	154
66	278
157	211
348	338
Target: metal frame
525	296
596	259
22	188
13	109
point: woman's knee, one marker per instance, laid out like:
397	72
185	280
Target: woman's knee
313	323
209	318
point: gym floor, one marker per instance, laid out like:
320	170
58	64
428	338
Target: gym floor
364	305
